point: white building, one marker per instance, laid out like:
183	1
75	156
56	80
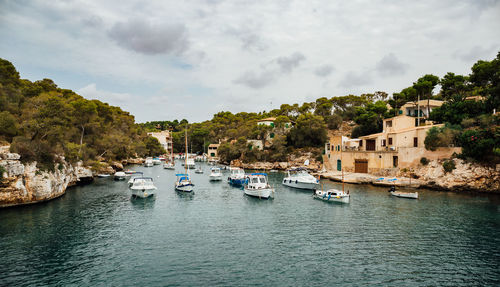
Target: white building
165	139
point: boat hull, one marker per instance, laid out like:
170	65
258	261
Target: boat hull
300	185
263	193
143	193
184	188
237	181
410	195
324	196
215	177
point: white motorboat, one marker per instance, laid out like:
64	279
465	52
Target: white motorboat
143	187
300	178
183	182
148	162
103	175
198	170
258	186
156	161
134	176
237	176
119	175
215	174
333	195
411	195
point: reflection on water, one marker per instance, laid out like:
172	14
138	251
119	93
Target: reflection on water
99	235
143	203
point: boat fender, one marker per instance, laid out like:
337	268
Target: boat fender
324	195
295	181
338	196
329	196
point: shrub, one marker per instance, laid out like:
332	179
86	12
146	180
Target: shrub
424	161
448	165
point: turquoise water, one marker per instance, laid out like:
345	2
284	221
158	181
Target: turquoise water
96	235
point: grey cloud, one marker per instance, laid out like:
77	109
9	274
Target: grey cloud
324	70
255	81
145	38
287	64
390	65
353	79
249	39
476	53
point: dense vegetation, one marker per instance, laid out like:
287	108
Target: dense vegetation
43	122
468	123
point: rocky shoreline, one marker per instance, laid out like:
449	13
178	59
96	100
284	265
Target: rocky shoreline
466	177
23	184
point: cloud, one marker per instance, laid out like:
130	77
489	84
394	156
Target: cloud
323	71
91	92
390	65
476	53
287	64
255	81
249	39
143	37
353	79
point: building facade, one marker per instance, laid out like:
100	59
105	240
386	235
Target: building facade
165	139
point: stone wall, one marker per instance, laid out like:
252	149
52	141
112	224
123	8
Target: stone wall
25	184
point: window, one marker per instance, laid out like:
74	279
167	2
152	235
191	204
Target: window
286	125
272	124
390	141
388	124
383	143
360	143
212	154
415	142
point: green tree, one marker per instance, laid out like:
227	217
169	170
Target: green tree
309	131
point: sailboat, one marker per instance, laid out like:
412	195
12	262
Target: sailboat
334	195
170	164
183	182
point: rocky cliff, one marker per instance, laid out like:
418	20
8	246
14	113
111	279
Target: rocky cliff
465	177
25	184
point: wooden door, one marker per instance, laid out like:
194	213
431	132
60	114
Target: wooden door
361	165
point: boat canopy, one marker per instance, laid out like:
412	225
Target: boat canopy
394	179
259	173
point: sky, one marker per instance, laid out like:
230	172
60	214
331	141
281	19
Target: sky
166	60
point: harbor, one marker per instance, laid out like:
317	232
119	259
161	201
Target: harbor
98	233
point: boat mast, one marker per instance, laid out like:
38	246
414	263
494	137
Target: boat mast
186	157
341	162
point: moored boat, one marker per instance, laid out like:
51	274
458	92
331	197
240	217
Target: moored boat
156	161
134	176
237	176
215	174
143	187
119	175
411	195
258	186
198	170
183	183
148	162
332	195
300	178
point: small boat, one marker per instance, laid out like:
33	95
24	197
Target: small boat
143	187
148	162
198	170
169	165
128	171
134	176
237	176
156	161
332	195
183	183
215	174
258	186
189	163
300	178
411	195
119	175
103	175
